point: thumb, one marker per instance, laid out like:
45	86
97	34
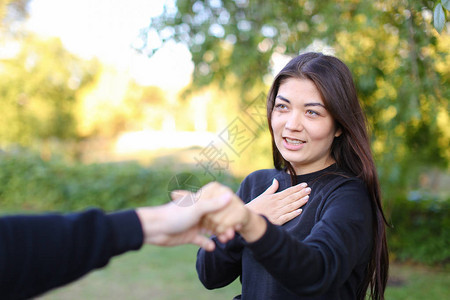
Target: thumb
204	207
182	197
272	188
178	194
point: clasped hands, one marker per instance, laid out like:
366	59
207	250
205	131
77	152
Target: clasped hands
235	216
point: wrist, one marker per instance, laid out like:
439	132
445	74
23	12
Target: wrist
150	222
254	228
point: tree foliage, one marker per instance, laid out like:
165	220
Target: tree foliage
39	82
400	63
439	18
38	90
12	11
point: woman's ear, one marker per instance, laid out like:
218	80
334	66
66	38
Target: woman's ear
338	132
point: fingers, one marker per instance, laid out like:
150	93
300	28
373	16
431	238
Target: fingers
205	207
297	204
212	190
216	222
183	198
296	194
208	225
226	236
221	224
231	216
289	207
294	189
204	242
288	216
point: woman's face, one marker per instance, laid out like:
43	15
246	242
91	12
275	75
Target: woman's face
303	129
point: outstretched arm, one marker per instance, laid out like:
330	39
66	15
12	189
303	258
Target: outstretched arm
41	252
170	224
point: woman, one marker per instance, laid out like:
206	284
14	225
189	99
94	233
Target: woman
336	248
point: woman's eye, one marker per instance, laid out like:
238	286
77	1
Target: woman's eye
312	112
280	106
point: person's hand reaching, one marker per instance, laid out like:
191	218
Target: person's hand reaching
171	224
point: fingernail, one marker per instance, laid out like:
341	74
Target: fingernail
273	181
306	197
308	189
299	210
303	184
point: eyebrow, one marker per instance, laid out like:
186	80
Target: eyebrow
306	104
282	98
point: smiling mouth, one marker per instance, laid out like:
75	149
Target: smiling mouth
293	141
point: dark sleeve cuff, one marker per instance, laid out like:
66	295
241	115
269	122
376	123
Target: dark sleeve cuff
268	243
127	231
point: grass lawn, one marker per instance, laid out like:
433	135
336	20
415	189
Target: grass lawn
411	282
169	274
151	273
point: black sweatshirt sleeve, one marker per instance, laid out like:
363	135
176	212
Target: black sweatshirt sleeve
221	267
41	252
325	259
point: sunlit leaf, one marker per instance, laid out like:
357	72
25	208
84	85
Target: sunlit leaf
446	4
439	18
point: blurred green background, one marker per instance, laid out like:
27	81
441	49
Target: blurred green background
78	131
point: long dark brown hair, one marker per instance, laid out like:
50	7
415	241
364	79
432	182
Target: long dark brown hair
351	150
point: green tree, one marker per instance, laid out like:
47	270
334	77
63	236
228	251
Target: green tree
400	63
38	91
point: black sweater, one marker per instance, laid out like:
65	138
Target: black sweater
321	254
38	253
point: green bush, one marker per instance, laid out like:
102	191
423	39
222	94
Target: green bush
421	230
421	227
27	183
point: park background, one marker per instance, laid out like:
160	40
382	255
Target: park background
112	104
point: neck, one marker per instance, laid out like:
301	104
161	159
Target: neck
302	170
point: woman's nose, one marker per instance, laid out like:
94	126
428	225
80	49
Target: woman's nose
294	123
